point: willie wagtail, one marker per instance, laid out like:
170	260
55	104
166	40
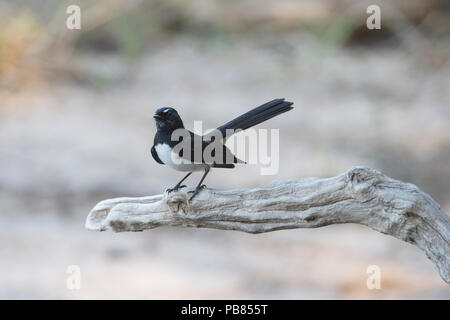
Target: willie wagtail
171	132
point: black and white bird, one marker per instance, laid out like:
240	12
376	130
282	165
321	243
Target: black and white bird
168	122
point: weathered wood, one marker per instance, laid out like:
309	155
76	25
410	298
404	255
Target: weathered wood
361	195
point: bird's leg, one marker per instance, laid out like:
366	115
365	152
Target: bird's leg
200	186
178	185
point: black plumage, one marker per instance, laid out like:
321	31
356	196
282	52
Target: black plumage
171	134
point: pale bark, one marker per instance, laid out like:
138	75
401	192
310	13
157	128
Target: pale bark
361	195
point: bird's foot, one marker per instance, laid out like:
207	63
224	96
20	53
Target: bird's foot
203	186
175	188
196	191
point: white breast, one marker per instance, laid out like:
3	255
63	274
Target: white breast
174	161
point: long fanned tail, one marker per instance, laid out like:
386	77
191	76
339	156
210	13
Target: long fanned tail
256	116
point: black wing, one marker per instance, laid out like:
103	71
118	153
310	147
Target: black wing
155	156
227	155
227	161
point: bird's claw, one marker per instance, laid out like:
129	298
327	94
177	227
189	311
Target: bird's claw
175	188
196	191
203	186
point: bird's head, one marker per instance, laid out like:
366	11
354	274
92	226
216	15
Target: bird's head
167	119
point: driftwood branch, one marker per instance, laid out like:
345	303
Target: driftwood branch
361	195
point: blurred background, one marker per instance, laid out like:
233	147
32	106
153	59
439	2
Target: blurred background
76	127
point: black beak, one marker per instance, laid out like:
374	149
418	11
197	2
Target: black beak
157	117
